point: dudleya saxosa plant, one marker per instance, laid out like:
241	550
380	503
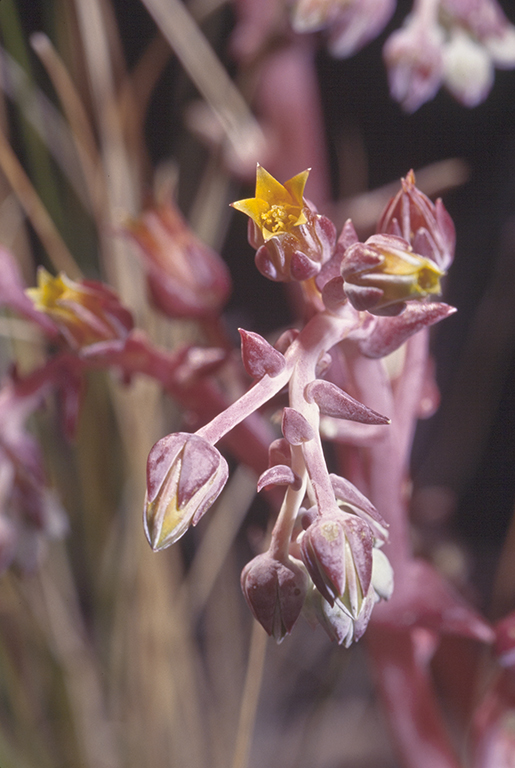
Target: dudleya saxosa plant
327	556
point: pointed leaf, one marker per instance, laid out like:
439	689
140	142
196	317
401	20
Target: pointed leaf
334	402
259	357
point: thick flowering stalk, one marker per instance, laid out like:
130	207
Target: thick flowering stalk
275	592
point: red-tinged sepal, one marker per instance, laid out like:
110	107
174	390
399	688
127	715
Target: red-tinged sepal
275	593
280	474
185	476
389	333
296	428
334	402
259	357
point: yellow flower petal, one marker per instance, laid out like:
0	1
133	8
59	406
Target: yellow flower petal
295	186
276	208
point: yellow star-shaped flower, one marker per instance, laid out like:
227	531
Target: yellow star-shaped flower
276	208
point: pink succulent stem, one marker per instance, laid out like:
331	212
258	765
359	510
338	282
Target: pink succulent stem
404	683
409	701
321	333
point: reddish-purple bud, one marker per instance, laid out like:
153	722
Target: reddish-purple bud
337	552
185	476
259	357
296	428
334	402
185	277
275	593
425	225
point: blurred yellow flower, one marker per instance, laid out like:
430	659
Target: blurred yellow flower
276	208
86	312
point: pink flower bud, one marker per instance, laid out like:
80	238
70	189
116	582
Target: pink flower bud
275	593
185	476
383	273
337	552
426	226
185	277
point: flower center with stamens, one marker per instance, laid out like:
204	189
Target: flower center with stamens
277	219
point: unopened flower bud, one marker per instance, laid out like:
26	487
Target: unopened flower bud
275	592
425	225
185	277
85	311
383	273
185	476
337	552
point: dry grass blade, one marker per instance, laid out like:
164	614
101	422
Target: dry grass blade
41	114
56	605
77	117
208	74
36	212
250	698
